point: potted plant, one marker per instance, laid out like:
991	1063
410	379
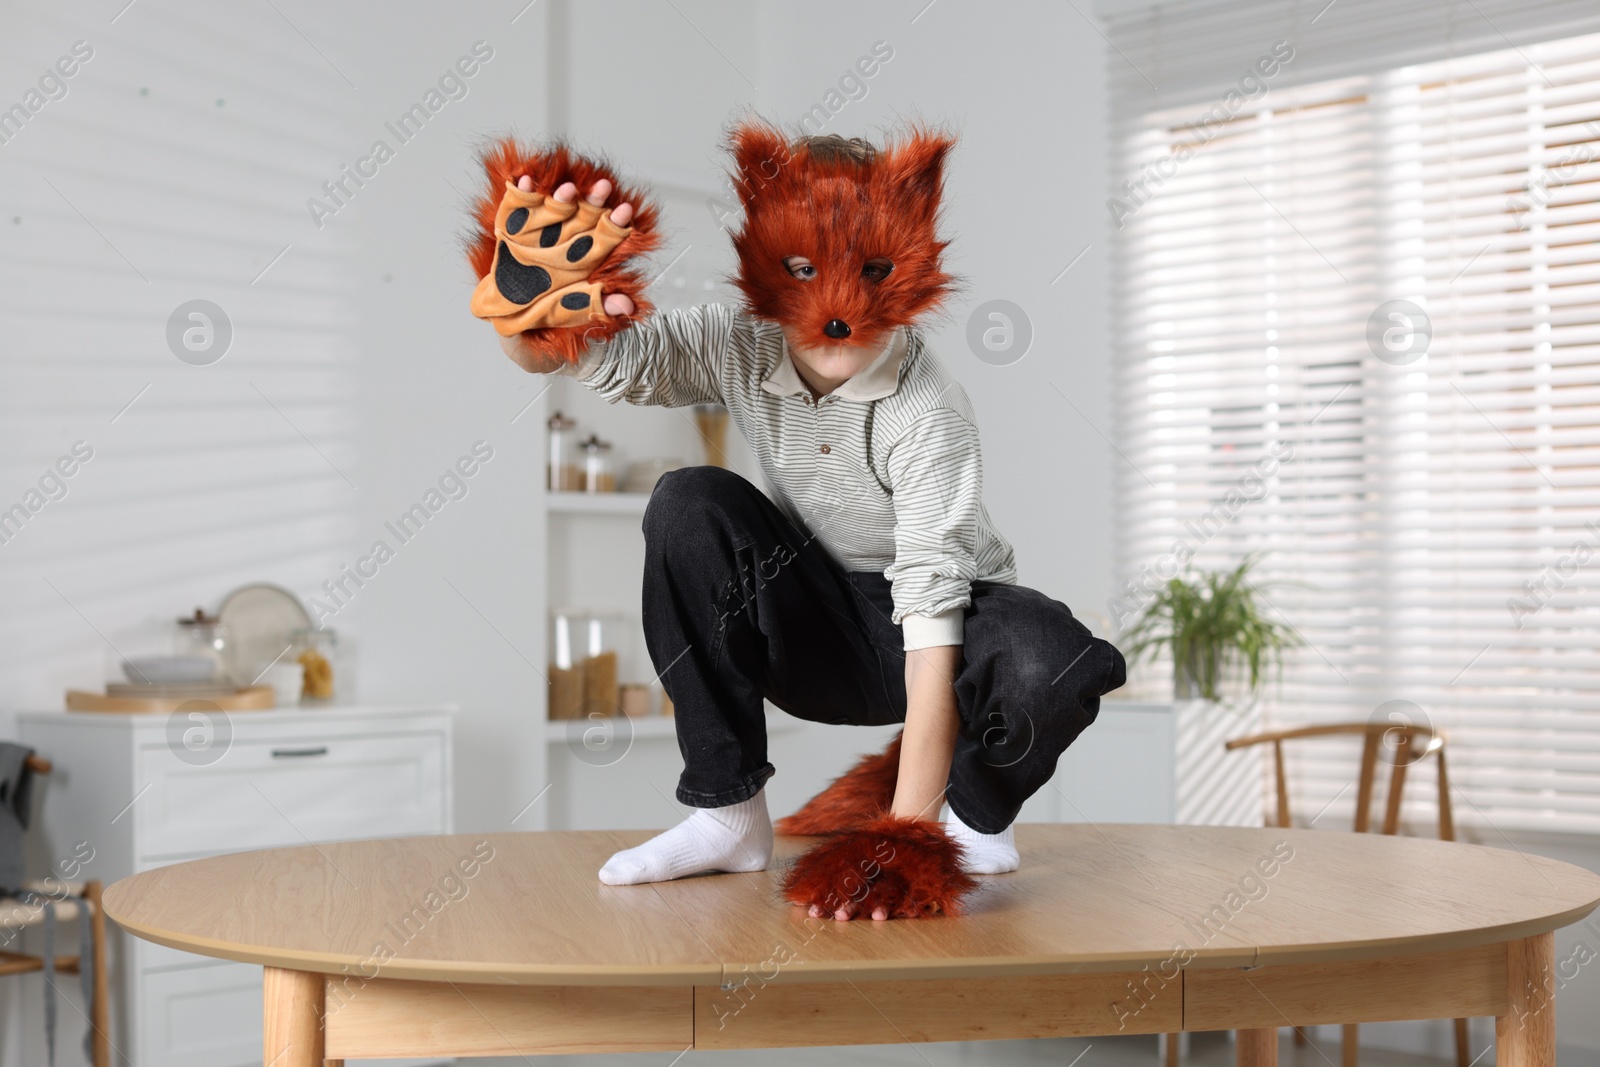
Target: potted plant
1210	624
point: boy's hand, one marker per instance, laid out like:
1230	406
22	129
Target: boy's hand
546	251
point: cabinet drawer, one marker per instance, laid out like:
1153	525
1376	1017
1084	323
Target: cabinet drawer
201	1017
287	790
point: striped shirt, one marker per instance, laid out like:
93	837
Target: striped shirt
884	471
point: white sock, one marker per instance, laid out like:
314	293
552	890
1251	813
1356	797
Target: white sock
737	837
986	853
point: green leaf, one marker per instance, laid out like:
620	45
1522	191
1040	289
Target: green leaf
1209	623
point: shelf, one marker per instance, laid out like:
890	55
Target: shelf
645	726
597	503
650	726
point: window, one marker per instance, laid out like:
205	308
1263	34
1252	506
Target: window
1359	333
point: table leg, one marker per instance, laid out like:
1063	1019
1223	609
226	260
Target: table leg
291	1007
1525	1036
1257	1048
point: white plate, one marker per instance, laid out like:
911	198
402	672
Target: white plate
159	670
260	619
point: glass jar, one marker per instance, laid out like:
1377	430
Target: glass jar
317	650
204	637
598	474
585	647
564	475
712	422
637	700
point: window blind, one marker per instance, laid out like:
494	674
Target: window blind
1358	308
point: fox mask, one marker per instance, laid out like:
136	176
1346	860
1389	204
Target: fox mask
848	219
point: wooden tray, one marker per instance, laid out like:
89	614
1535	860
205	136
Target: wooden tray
250	698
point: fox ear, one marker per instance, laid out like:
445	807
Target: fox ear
760	155
917	166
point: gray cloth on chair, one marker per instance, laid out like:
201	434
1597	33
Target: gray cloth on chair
85	968
16	807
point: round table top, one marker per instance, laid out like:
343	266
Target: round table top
528	908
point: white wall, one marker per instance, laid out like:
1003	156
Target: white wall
1025	195
177	166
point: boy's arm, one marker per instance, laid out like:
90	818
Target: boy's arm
673	358
933	722
935	471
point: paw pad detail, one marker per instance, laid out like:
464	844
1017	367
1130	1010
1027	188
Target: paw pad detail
545	252
518	283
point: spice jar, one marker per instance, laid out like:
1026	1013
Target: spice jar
584	648
202	636
565	474
635	699
712	422
317	650
566	664
598	473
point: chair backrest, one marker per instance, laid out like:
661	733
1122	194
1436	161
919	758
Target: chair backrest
1409	744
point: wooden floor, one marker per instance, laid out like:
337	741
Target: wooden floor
1207	1050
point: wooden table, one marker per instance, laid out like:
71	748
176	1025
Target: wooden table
507	944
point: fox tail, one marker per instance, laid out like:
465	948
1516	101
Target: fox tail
860	794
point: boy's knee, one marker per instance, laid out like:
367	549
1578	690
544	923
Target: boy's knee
698	483
1058	671
1087	668
1037	690
689	485
1032	670
691	498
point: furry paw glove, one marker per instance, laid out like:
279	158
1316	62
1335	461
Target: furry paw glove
543	267
908	867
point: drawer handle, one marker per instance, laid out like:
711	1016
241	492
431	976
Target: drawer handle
292	753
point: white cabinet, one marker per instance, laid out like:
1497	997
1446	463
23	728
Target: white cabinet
274	791
1153	762
144	791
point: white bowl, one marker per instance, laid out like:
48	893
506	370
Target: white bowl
163	670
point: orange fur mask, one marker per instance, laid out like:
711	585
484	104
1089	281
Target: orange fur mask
839	214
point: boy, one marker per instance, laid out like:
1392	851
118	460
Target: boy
873	587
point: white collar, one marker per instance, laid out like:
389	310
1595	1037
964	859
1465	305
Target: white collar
879	379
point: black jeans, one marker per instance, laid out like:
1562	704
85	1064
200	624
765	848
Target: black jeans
741	605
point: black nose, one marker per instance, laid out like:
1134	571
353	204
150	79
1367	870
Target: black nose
838	329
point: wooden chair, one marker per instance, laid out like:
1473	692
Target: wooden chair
1412	744
82	903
